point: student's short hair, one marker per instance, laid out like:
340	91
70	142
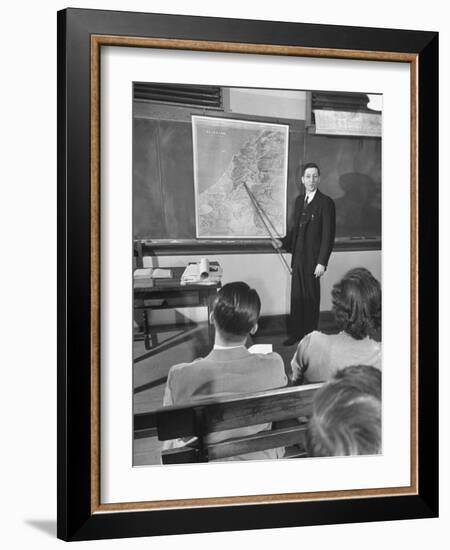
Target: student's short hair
236	310
305	167
356	302
346	417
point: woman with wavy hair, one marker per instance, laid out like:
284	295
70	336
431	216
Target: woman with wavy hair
357	306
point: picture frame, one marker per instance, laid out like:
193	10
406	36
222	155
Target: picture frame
81	36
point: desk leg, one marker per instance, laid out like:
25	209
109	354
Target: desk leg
146	330
207	300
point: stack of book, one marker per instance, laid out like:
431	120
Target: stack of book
145	277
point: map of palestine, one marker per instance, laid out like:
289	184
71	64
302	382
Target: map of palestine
228	154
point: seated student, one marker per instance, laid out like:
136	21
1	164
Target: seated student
357	307
229	368
346	417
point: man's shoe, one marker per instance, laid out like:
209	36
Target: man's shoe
290	341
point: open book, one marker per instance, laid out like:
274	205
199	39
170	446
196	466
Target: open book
152	273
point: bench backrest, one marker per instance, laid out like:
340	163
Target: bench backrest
287	408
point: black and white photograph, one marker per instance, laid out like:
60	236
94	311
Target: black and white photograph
257	273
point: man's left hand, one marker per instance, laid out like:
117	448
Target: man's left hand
319	271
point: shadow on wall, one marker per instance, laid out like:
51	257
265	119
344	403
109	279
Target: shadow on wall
360	207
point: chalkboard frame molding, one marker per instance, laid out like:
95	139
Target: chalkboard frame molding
183	247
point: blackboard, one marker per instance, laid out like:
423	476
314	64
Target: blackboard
351	175
163	181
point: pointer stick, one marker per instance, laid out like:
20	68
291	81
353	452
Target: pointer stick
260	208
259	211
262	214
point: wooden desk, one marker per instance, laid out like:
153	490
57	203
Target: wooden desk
165	289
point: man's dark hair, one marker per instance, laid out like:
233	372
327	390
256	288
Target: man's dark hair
309	165
346	418
236	310
356	302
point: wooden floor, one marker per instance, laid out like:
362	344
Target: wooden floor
184	343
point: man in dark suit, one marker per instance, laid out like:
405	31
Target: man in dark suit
310	239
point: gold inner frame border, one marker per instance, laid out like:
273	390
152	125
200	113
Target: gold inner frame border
97	41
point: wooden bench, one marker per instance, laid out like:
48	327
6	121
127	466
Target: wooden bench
288	409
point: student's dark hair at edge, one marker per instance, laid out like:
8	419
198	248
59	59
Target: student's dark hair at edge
356	302
236	310
346	417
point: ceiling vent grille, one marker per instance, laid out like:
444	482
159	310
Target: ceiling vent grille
207	97
340	101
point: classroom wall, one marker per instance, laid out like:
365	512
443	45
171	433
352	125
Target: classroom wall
265	272
290	104
268	275
163	177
